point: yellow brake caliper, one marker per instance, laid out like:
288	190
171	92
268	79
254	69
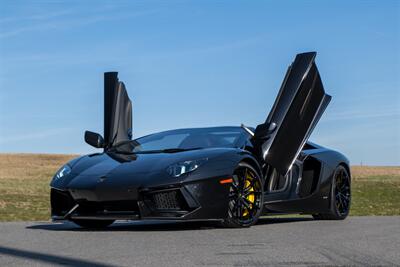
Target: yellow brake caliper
250	197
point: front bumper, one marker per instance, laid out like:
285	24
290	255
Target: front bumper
201	200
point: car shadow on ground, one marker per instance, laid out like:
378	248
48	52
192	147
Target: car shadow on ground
39	258
143	226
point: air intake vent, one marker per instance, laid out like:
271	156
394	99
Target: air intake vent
166	200
310	177
61	202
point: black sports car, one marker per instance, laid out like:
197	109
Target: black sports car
227	174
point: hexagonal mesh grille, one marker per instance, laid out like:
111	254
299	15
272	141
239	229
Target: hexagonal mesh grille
166	200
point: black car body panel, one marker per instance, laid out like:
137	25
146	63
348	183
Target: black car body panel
124	183
105	177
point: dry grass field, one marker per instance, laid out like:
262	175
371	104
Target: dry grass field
376	190
24	187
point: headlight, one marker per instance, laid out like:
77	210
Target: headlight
65	170
183	167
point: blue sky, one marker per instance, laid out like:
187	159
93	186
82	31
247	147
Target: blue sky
197	63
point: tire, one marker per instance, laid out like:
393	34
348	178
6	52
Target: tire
246	196
93	224
340	196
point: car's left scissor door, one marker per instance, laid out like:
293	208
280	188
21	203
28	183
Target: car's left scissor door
117	111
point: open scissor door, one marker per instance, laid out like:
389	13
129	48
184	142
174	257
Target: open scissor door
117	111
297	109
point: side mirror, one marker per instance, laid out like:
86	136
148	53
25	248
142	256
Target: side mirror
272	127
94	139
264	131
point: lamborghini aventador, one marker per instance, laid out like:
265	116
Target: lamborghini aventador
230	175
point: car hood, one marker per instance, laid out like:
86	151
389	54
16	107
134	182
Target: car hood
105	163
138	167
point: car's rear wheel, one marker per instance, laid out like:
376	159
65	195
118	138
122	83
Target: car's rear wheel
93	224
245	197
340	196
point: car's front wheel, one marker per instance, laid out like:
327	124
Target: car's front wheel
93	224
340	196
245	197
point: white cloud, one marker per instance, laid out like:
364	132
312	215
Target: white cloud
29	136
362	114
63	20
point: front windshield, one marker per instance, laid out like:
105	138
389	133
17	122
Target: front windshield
188	139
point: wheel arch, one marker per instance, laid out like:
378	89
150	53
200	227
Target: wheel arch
253	163
346	166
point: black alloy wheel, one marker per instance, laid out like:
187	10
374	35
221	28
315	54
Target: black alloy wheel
340	196
245	197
